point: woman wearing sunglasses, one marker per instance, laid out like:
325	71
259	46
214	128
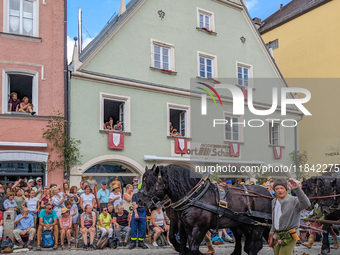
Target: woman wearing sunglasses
105	225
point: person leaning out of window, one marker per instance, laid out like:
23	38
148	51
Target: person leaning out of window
13	102
25	106
109	125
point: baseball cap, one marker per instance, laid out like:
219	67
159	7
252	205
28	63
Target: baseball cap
104	183
30	180
39	178
229	182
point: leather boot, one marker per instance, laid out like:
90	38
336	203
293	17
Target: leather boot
310	242
336	243
211	250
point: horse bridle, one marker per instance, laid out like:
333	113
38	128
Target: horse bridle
153	196
325	202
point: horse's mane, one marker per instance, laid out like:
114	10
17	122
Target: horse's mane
180	180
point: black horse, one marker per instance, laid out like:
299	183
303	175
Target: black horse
328	186
176	182
323	187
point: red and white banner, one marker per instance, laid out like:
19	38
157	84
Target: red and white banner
245	92
235	149
181	146
278	151
116	141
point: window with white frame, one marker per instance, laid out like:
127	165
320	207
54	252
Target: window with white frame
22	17
232	130
163	55
205	19
206	67
178	120
20	86
274	133
115	112
243	76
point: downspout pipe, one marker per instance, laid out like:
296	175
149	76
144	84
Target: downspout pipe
66	78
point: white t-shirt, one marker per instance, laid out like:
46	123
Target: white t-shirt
31	204
87	199
117	201
277	215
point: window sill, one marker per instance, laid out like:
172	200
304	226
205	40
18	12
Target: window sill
28	116
209	80
173	137
270	145
20	37
240	86
114	131
163	71
205	31
233	142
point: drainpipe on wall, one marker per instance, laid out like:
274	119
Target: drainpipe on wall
66	77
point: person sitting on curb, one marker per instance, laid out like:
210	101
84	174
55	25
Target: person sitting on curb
65	222
48	222
25	225
158	224
121	220
104	222
88	225
286	216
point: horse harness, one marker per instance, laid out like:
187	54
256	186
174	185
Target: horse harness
221	210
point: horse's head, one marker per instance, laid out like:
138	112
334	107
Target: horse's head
309	187
153	187
325	187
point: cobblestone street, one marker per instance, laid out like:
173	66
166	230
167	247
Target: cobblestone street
220	250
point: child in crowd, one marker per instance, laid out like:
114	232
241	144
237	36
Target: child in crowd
32	203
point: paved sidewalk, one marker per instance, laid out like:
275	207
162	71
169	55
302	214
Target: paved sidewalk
220	250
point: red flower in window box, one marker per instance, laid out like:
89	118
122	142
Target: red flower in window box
169	71
216	81
210	31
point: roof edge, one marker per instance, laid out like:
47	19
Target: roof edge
293	17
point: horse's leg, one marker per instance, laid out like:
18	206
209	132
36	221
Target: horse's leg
325	242
238	238
247	231
256	240
172	235
183	240
195	238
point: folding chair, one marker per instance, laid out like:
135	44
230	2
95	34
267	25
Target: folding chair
149	231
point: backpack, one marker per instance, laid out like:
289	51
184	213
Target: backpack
7	243
47	240
102	242
113	242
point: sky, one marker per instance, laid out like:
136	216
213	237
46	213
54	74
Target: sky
97	13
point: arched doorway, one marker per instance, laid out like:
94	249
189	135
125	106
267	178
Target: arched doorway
109	172
107	168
